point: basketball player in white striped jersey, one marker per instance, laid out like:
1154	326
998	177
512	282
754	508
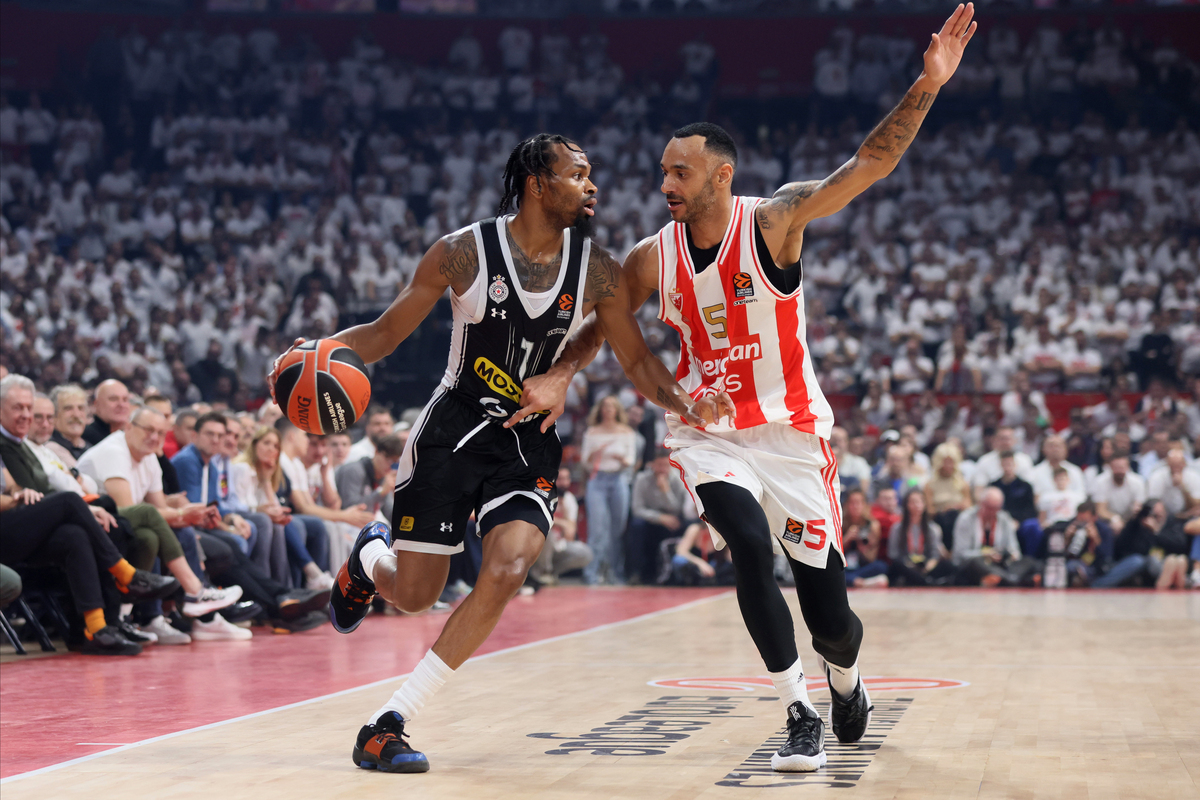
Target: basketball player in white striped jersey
729	277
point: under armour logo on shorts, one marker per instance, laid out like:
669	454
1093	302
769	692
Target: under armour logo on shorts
447	527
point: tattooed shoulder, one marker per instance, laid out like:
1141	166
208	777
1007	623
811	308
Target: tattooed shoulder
785	201
604	275
460	259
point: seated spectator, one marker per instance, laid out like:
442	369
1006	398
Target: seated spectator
1175	485
915	548
886	511
1133	563
379	423
660	509
1119	492
865	565
1060	503
369	482
988	469
563	552
1020	501
896	471
947	491
269	543
339	448
695	561
57	473
853	469
1054	451
124	465
70	418
986	551
110	411
183	431
1087	544
310	554
257	476
59	530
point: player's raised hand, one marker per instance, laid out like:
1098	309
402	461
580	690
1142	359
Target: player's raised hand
946	47
541	393
274	376
709	410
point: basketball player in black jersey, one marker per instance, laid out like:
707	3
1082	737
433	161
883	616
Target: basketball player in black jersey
520	285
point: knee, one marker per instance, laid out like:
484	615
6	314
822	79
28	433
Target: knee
505	578
412	598
841	640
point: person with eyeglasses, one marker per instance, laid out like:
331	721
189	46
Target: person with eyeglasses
125	466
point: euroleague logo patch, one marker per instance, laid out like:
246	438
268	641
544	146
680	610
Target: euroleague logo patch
566	304
875	683
743	284
794	530
543	487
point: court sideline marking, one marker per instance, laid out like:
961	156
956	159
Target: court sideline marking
311	700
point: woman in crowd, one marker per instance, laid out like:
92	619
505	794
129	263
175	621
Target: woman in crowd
862	536
915	546
1104	454
258	478
609	449
947	492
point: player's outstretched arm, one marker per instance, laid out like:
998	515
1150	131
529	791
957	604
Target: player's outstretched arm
453	262
796	204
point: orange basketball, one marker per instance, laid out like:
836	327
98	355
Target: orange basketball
323	386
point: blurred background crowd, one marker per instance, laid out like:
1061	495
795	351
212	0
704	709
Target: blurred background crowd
180	196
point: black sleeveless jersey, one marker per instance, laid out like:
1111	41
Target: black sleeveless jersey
502	334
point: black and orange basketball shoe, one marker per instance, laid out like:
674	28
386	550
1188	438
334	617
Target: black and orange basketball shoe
350	599
381	746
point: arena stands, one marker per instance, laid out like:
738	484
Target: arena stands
1031	267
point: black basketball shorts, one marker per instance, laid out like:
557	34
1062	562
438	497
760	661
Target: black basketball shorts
459	461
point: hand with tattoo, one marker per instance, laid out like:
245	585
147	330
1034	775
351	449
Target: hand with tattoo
945	50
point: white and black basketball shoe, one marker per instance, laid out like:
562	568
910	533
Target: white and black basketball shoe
804	750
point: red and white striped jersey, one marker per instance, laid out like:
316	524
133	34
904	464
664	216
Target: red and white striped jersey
738	333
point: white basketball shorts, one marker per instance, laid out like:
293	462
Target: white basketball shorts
793	475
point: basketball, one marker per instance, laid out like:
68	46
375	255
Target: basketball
323	386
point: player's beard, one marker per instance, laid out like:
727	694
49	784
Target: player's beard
584	224
698	206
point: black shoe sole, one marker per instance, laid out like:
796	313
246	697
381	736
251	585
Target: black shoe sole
166	591
298	609
364	760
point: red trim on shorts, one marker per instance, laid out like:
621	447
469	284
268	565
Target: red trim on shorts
827	474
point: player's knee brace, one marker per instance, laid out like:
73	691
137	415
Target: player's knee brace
839	647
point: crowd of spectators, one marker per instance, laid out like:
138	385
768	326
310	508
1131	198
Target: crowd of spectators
209	198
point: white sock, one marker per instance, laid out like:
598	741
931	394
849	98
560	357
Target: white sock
843	680
790	685
429	676
372	553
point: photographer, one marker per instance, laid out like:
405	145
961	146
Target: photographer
1088	544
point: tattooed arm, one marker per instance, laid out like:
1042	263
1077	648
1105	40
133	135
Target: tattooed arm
615	293
783	217
452	263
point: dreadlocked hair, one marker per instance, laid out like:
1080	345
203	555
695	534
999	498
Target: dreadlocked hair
532	158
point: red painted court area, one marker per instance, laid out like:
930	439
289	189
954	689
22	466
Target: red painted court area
87	704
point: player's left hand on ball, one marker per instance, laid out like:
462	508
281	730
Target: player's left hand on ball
539	393
274	375
709	410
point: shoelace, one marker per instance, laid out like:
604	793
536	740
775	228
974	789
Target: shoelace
803	731
357	594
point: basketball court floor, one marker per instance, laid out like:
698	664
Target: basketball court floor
637	693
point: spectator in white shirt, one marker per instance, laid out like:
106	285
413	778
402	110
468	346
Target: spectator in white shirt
911	371
379	423
1118	492
1054	448
1060	502
988	469
1175	485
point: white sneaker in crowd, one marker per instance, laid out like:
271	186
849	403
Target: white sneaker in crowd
165	632
219	630
211	599
319	582
1194	579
